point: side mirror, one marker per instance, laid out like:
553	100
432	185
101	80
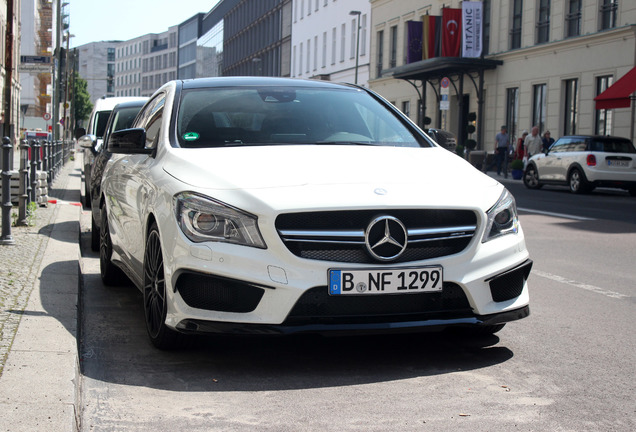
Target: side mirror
129	141
87	141
79	132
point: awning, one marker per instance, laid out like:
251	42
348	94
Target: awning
618	94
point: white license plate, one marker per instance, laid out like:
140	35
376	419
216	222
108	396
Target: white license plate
618	163
386	281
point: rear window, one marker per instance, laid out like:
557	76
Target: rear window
613	146
221	117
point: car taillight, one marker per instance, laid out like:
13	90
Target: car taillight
591	160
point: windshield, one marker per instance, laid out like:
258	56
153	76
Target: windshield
220	117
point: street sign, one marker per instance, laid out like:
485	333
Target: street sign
35	59
445	82
34	68
444	104
46	116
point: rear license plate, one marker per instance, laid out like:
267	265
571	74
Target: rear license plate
386	281
618	163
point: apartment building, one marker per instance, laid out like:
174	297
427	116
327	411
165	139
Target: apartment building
544	63
330	40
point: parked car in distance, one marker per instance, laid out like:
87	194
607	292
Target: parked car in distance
443	138
273	205
121	117
584	162
90	139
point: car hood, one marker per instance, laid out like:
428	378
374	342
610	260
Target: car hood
321	176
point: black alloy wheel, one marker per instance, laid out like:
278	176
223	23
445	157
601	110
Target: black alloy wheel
154	292
110	273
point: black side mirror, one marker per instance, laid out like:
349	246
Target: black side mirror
129	141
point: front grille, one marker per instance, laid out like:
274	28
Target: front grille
218	294
509	285
340	236
316	306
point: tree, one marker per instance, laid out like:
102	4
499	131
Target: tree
82	105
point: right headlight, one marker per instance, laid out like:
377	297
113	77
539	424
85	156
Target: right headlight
203	219
502	218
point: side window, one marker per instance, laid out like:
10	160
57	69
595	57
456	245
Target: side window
150	120
560	146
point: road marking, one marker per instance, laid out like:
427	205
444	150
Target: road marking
581	285
561	215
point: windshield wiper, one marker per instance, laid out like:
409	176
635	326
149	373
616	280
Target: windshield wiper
363	143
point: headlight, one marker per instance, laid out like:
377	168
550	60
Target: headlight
203	219
502	218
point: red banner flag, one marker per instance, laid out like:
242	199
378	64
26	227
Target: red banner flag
431	45
451	32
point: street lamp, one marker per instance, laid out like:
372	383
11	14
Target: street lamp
358	13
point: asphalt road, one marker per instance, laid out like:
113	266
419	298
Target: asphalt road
570	366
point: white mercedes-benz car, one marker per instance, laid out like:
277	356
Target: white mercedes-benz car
271	205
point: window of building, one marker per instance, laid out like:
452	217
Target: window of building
315	52
486	26
573	18
512	110
543	23
603	121
343	39
380	55
363	35
317	5
333	46
308	55
406	108
608	14
111	54
302	8
539	104
570	112
324	49
515	27
300	59
393	46
353	39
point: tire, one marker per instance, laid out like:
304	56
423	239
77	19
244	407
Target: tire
87	196
94	235
632	192
577	182
531	177
110	273
154	295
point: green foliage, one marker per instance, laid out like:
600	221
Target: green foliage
82	99
516	164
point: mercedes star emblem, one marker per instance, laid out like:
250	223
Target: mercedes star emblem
386	238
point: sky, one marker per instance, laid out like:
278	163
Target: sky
98	20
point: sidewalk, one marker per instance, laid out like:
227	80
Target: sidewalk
39	280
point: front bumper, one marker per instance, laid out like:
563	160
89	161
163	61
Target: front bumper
199	326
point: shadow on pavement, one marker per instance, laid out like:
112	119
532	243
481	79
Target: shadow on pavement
115	349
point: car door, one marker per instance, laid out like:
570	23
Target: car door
549	165
130	189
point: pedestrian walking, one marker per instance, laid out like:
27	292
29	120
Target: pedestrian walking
502	147
547	141
533	142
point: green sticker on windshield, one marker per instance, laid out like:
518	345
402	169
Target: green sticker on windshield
191	136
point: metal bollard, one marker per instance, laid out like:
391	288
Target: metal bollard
6	238
34	177
23	198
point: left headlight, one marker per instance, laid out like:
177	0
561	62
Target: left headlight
502	218
203	219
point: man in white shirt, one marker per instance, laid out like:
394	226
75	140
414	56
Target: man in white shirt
533	142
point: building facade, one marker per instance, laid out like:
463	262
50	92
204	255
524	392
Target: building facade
326	43
556	56
6	70
257	38
96	65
